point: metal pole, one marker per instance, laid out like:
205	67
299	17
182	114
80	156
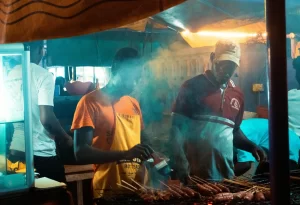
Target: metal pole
27	117
279	141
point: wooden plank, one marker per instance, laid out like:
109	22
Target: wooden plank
79	193
78	168
79	177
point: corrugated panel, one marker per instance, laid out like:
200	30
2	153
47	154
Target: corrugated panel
195	14
141	25
32	20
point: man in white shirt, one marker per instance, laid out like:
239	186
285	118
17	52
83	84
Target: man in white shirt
294	101
44	122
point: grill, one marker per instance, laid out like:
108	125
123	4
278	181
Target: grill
236	185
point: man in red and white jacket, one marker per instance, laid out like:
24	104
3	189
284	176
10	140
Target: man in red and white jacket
206	121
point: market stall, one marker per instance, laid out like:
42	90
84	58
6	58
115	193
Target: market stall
176	45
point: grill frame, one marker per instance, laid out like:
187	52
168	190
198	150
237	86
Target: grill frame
120	197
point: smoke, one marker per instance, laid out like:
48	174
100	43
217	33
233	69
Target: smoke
164	72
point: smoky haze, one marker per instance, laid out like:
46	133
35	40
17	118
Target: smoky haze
163	74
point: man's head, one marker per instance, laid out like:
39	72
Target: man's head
126	69
36	51
225	60
296	65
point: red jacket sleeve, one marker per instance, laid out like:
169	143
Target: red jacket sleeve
182	104
239	117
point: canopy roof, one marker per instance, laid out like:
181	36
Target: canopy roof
196	15
32	20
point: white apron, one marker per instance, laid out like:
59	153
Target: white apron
208	146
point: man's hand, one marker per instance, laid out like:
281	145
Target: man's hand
142	152
259	154
66	142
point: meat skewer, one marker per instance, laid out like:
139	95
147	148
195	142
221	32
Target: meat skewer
267	195
206	185
188	191
227	196
246	184
223	188
129	185
217	186
249	196
223	197
149	194
202	189
142	187
171	190
259	196
211	186
125	187
179	191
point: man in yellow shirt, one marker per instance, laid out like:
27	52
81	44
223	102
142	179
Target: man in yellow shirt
107	127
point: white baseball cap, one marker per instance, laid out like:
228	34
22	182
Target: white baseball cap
228	50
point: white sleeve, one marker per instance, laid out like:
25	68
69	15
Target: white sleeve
46	91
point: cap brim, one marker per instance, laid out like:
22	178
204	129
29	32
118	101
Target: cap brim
229	57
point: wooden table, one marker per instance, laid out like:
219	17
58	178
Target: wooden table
78	173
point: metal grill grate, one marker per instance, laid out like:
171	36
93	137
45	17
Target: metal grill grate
236	185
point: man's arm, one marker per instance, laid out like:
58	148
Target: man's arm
86	154
52	125
177	155
181	107
241	168
240	141
47	116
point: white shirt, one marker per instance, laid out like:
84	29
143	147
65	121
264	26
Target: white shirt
42	93
294	110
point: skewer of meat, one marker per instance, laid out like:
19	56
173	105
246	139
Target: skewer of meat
246	184
142	188
267	195
202	189
224	197
209	185
218	186
188	191
145	193
222	187
150	195
182	193
164	195
125	187
244	195
129	185
228	196
259	196
249	196
171	190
